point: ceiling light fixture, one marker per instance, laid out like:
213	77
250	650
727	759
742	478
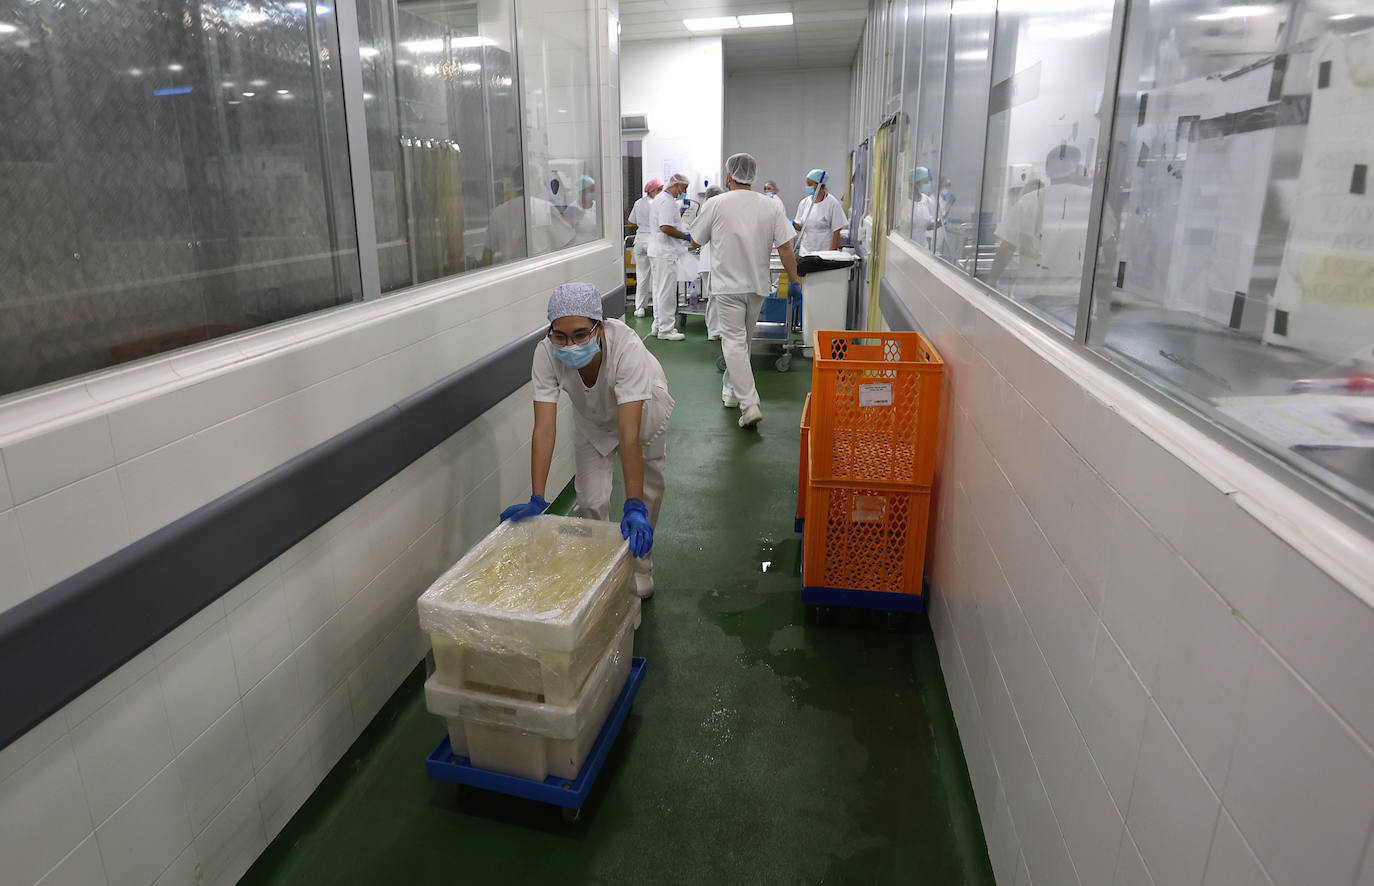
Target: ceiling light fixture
771	20
1234	12
719	23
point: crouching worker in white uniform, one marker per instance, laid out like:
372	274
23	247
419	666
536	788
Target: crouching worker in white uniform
620	404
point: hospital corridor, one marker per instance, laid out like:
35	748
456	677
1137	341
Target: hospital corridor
744	442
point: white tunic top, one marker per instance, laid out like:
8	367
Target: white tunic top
629	374
1049	228
743	228
819	222
665	210
639	217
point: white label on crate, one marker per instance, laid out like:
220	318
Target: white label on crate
875	395
869	508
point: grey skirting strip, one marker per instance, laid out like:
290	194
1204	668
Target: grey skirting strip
65	639
895	311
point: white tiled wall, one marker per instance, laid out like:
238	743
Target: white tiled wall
180	767
1151	686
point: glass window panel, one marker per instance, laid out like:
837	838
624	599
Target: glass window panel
905	184
1044	117
1239	258
961	154
558	52
896	42
930	112
444	136
171	172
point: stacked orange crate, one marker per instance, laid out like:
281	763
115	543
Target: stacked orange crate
802	464
875	409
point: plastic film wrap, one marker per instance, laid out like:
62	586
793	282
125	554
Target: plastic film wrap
530	610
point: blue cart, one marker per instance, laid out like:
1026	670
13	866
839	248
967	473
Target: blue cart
779	325
568	795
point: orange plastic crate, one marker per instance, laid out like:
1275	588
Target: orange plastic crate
865	536
876	407
803	475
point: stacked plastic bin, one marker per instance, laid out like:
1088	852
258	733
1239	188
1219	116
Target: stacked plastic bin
533	633
874	414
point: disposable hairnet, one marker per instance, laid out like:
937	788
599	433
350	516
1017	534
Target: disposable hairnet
586	182
678	178
653	184
715	191
1062	160
817	176
742	168
575	300
770	184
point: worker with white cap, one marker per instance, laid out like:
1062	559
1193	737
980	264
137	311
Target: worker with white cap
620	403
667	245
639	220
743	228
820	216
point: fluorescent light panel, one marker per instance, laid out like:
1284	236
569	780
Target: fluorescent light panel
719	23
771	20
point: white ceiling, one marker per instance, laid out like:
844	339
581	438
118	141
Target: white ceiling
824	33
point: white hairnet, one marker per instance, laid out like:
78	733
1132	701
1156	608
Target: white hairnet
678	178
575	300
742	168
713	191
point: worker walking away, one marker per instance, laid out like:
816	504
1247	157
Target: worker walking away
820	217
712	309
667	245
743	228
620	403
639	219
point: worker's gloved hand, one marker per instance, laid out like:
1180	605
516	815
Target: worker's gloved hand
794	290
533	508
636	529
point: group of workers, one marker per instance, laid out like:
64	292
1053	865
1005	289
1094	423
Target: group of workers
617	388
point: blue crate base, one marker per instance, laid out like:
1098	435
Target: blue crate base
441	763
852	599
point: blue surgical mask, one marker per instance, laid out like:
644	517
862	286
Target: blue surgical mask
577	356
810	190
925	189
947	195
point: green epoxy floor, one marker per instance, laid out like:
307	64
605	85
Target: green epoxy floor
762	748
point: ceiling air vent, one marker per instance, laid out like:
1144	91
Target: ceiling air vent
634	123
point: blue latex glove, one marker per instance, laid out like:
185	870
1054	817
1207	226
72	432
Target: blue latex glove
636	529
533	508
794	290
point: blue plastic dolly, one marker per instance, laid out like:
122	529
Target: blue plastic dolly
779	324
899	607
569	795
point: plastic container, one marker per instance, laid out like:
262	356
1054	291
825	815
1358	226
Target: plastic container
530	610
875	408
774	310
528	739
865	537
803	464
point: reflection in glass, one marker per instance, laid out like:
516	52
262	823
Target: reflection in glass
929	121
896	39
563	122
961	154
906	189
1239	255
1044	114
170	173
444	138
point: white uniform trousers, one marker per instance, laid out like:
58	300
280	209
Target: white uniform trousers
643	272
665	294
593	485
738	314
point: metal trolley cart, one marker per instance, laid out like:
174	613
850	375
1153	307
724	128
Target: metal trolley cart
554	791
691	298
